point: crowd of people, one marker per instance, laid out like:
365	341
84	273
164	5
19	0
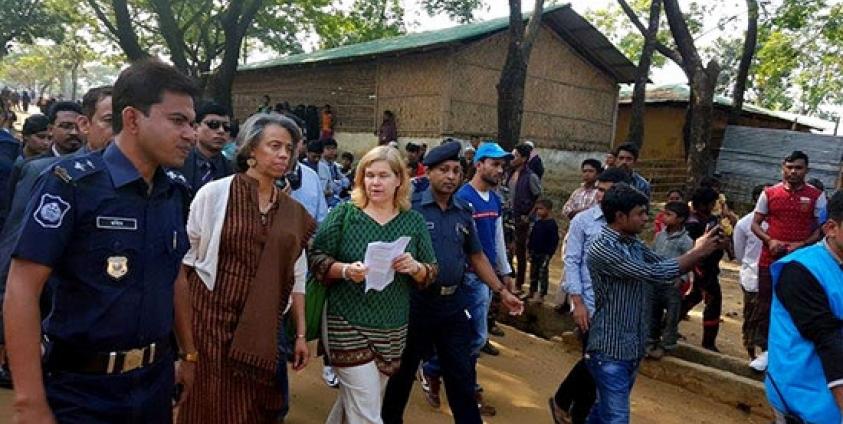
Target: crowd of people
150	238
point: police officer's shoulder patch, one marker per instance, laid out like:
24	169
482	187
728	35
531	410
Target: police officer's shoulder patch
51	211
76	168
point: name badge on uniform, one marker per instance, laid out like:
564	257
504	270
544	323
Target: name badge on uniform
430	226
117	223
117	266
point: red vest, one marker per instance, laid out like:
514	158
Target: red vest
790	215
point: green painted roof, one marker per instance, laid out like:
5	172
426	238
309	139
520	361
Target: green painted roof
572	27
399	43
682	92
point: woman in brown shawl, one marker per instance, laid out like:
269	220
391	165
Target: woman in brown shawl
247	250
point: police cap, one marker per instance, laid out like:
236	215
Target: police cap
447	151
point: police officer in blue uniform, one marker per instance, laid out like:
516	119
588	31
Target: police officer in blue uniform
107	230
438	319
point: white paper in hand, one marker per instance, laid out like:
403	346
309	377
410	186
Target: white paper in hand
378	260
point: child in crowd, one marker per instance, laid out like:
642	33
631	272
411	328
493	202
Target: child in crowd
706	273
666	298
658	222
544	239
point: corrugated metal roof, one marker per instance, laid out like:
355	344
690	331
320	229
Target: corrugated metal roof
681	93
572	27
751	156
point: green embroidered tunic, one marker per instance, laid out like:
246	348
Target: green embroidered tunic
365	326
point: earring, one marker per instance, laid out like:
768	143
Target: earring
251	162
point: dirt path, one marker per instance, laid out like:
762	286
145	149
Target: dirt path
518	383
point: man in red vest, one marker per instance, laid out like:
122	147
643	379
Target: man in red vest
791	209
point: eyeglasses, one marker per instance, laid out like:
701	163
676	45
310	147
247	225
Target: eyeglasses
215	125
68	126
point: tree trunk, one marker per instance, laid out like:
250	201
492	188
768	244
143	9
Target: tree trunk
749	44
122	28
74	83
514	72
173	35
702	80
511	100
639	92
701	155
235	23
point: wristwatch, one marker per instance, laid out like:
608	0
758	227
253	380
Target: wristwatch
189	357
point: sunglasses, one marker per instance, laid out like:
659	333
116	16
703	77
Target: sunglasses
215	125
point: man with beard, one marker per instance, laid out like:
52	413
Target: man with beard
488	218
524	189
107	230
791	210
64	128
438	318
93	122
626	155
206	161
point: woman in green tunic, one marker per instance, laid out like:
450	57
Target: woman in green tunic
365	331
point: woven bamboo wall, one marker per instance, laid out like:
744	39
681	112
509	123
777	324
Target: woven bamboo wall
411	87
348	88
569	104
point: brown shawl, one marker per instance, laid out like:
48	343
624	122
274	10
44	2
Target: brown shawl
255	344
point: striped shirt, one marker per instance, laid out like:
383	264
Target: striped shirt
621	269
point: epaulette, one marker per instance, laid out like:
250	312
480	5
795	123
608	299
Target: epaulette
73	169
180	181
463	204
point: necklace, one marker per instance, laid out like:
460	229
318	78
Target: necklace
264	211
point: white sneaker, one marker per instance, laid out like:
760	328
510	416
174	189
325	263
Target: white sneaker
759	363
425	385
330	377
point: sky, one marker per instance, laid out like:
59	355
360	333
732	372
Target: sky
670	74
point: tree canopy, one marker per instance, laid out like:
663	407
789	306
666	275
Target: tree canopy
26	20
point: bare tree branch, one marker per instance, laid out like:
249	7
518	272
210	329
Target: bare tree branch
102	17
173	35
125	32
533	26
661	48
749	44
682	35
639	92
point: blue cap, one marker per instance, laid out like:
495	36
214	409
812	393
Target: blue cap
491	151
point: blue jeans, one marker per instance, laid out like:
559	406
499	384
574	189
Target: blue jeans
614	380
477	307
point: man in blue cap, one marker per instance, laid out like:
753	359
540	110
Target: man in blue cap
440	318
